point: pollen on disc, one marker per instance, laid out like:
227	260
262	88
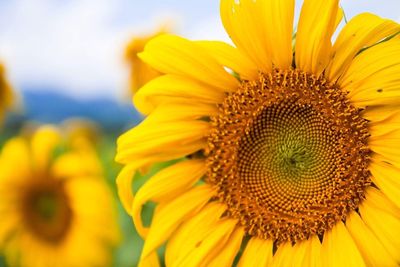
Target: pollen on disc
289	156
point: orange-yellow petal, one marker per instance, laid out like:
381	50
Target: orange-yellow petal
362	31
170	215
163	186
370	247
169	88
231	58
258	252
191	232
339	248
175	55
383	218
317	23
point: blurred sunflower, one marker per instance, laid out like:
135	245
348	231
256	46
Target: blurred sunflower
56	208
140	72
291	153
6	96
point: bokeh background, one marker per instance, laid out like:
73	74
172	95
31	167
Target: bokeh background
65	59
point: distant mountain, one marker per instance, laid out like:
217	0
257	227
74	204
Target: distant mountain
50	107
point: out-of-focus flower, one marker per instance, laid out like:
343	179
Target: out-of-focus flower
6	95
56	208
140	72
79	131
288	157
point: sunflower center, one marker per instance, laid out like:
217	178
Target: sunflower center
289	156
47	211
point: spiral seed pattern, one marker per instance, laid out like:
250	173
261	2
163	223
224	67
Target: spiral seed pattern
289	156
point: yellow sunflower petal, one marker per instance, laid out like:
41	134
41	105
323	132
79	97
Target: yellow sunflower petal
124	185
76	164
172	214
298	254
180	111
382	218
281	256
175	55
387	124
386	177
258	252
277	21
227	255
372	78
173	87
384	146
339	249
161	138
166	184
15	159
370	247
232	58
150	261
43	143
241	20
362	31
312	256
313	40
379	113
193	231
212	244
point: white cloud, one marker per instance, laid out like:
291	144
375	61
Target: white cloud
75	46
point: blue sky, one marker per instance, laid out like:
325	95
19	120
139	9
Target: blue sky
76	46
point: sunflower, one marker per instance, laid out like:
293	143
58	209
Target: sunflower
140	72
56	209
6	96
289	151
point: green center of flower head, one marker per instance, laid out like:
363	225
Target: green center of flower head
47	210
289	156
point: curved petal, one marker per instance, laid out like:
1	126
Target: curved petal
362	31
383	219
170	87
175	55
262	30
212	244
227	255
164	185
76	164
277	21
386	146
373	252
231	58
160	139
385	125
16	160
378	113
386	177
43	143
241	20
258	252
124	185
312	256
170	215
150	261
372	78
190	233
180	111
317	23
339	249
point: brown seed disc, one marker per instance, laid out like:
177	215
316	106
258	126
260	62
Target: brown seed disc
288	155
46	209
